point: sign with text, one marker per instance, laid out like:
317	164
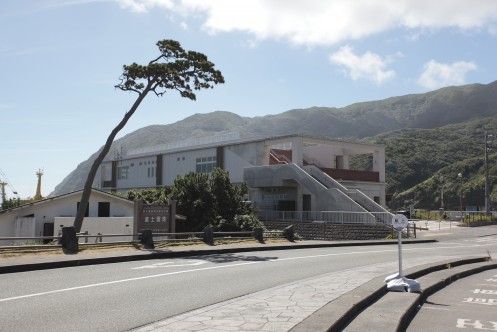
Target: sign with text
399	222
158	218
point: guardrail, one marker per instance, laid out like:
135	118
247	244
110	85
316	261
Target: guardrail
147	238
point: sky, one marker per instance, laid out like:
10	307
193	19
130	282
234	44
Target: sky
61	59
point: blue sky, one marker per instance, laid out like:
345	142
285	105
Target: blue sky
60	60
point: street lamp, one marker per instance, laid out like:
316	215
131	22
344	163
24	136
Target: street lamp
460	194
442	193
487	198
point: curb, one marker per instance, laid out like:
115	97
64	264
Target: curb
153	254
338	314
411	312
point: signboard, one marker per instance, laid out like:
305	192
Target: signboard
158	218
399	222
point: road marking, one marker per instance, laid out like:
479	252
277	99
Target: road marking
224	266
168	264
436	308
476	324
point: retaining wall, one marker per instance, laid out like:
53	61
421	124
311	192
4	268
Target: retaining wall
329	231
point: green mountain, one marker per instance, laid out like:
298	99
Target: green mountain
426	136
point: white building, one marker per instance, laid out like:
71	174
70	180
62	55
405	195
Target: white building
106	214
285	173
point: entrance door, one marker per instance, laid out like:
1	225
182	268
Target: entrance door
306	206
48	231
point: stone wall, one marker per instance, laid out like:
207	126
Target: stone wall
329	231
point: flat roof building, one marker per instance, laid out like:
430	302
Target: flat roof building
293	173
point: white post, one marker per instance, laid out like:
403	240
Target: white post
399	241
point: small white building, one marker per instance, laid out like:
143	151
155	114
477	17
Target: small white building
284	173
106	214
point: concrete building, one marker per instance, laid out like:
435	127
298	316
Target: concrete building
106	214
300	174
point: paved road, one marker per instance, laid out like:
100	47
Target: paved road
468	304
124	296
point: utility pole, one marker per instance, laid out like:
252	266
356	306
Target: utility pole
4	196
487	198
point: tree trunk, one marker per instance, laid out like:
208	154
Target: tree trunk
85	197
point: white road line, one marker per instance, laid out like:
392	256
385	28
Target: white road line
222	267
168	264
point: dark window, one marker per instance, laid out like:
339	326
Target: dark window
104	209
87	209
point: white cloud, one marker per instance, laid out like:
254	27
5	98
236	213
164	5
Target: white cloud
142	6
436	75
184	25
326	22
369	66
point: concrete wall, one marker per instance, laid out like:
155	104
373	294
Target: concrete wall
181	163
46	210
137	172
95	225
237	157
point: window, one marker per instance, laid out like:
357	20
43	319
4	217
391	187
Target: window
122	172
104	209
151	172
205	164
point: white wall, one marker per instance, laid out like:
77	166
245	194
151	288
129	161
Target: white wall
137	172
95	225
239	156
45	211
181	163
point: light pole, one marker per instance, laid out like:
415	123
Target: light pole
460	194
487	198
442	193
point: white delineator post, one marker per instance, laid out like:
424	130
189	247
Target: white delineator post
397	282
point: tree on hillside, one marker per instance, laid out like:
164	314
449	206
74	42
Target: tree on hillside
174	69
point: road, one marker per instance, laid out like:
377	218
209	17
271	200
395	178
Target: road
123	296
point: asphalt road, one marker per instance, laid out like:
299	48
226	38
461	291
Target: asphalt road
122	296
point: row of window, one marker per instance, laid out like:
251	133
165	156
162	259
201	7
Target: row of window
123	172
103	209
203	165
150	162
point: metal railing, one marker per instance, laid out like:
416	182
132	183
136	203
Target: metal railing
98	239
341	217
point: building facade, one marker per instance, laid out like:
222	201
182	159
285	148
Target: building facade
284	173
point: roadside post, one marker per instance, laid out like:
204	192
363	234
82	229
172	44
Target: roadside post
397	282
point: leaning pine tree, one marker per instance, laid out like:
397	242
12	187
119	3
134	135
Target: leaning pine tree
174	69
